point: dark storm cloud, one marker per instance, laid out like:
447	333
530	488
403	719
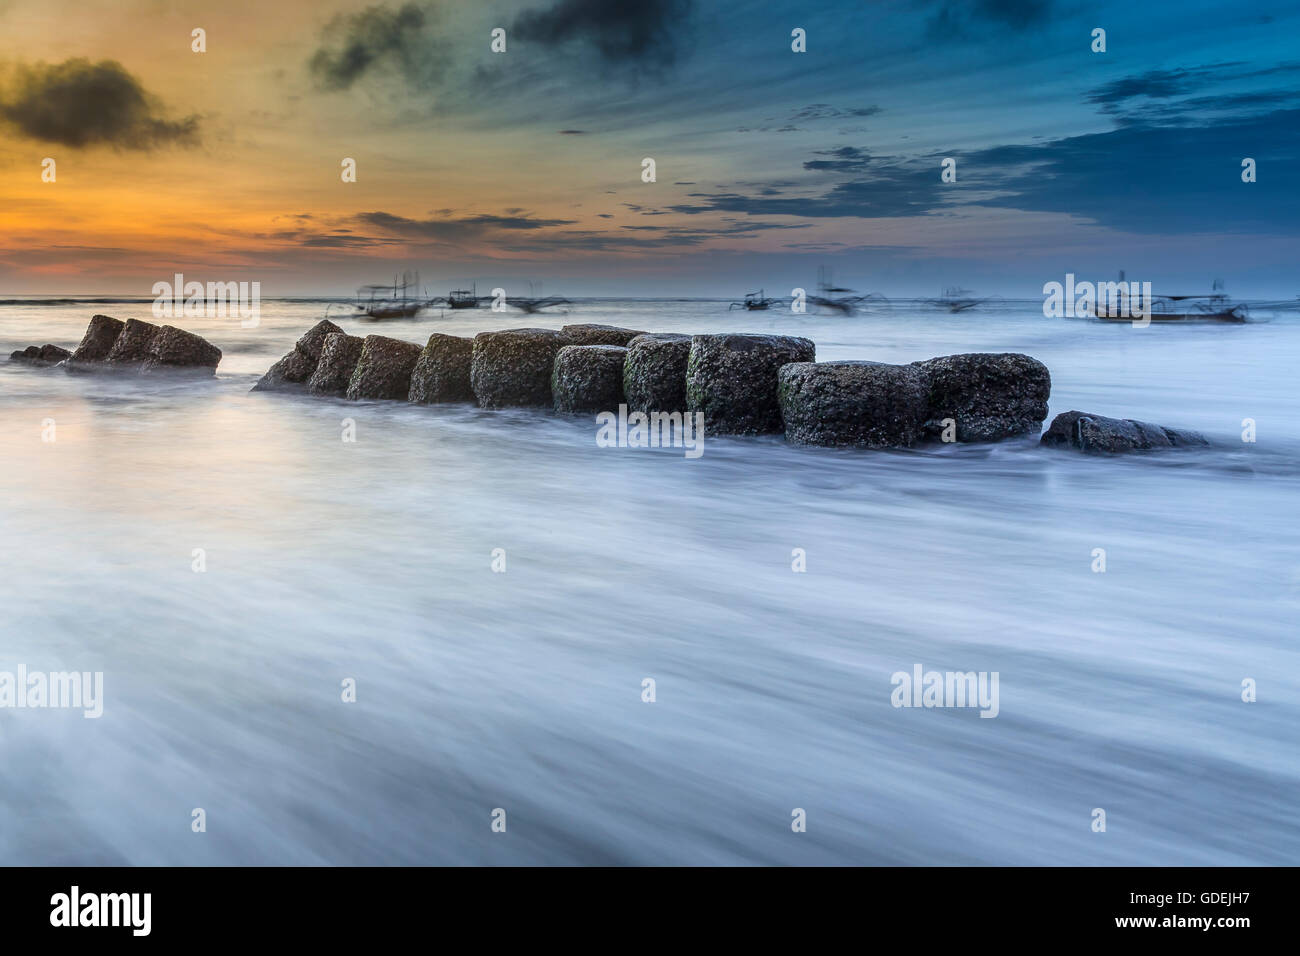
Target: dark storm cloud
645	31
78	103
379	40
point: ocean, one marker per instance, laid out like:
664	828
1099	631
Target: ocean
517	695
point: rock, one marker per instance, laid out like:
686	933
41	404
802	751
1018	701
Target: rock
298	363
133	343
989	396
588	378
1098	434
513	367
599	335
175	350
1185	437
733	379
40	355
338	357
384	368
654	374
441	373
101	333
859	404
313	340
290	372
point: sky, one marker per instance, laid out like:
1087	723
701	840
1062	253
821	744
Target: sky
524	168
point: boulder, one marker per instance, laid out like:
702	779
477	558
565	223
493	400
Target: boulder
732	379
513	367
40	355
175	350
101	333
858	404
1184	437
383	369
1098	434
654	375
599	334
313	340
588	378
338	357
299	362
290	372
133	343
441	373
989	396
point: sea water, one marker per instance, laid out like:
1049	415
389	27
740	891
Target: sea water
499	590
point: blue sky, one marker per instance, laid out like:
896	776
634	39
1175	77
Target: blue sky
525	166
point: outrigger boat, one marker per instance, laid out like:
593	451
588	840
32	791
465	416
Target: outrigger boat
463	298
955	300
845	305
532	306
378	304
1214	307
754	302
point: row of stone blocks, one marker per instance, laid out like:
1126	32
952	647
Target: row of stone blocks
110	344
743	384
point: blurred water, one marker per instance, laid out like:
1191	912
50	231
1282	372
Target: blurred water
328	560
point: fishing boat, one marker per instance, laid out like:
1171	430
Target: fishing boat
401	301
754	302
1214	307
830	296
955	300
463	298
533	306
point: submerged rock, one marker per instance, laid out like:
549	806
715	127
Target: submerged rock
338	357
599	334
297	365
101	334
383	369
133	343
859	404
40	355
989	396
1098	434
588	378
732	378
513	367
654	374
175	350
441	373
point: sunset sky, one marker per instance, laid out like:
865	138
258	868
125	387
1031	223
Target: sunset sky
525	166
